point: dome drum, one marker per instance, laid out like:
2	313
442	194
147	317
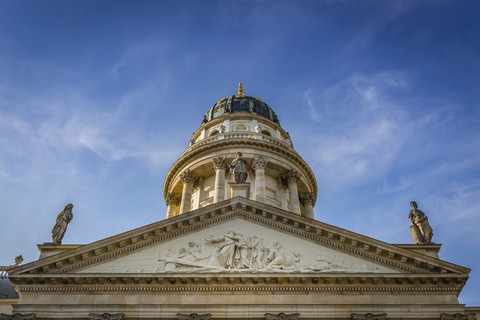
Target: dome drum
240	133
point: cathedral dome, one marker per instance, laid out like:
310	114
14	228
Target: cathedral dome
240	103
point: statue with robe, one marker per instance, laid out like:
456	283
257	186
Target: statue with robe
63	219
239	169
421	230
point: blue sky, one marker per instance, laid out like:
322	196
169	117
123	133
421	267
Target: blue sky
381	98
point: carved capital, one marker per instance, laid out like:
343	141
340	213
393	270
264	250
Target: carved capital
18	316
282	316
106	316
194	316
307	198
259	162
369	316
457	316
187	176
220	163
172	199
291	176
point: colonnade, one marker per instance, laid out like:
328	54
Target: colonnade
221	167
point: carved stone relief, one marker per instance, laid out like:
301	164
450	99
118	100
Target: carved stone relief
369	316
106	316
234	251
18	316
194	316
457	316
281	316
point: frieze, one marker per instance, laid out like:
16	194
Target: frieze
234	251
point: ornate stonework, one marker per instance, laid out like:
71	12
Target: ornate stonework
369	316
291	176
282	316
457	316
307	198
187	176
259	162
18	316
220	163
194	316
106	316
172	199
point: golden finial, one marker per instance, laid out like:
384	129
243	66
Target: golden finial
241	93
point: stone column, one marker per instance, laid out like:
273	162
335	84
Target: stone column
292	177
172	202
221	166
187	178
308	200
258	165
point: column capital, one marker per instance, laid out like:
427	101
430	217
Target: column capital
220	163
291	175
172	199
259	162
307	198
187	176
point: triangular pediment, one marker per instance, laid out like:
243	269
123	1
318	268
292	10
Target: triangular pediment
238	245
243	236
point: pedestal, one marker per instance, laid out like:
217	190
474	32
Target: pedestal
238	190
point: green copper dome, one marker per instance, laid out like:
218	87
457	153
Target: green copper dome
240	103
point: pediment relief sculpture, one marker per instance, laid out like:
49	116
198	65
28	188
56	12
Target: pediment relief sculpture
236	252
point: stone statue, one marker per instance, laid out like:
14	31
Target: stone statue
258	129
222	129
63	219
421	231
239	169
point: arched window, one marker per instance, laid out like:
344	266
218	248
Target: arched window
265	132
214	133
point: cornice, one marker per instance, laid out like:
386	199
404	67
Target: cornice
234	282
405	261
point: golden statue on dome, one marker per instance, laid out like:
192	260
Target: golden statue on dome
241	93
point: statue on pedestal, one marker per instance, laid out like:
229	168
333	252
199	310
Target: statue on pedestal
421	231
63	219
239	169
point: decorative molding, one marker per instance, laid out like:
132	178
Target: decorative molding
259	162
369	316
307	198
187	176
106	316
282	316
18	316
224	285
457	316
194	316
220	163
172	199
291	175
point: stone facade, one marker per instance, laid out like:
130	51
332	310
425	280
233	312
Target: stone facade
231	250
